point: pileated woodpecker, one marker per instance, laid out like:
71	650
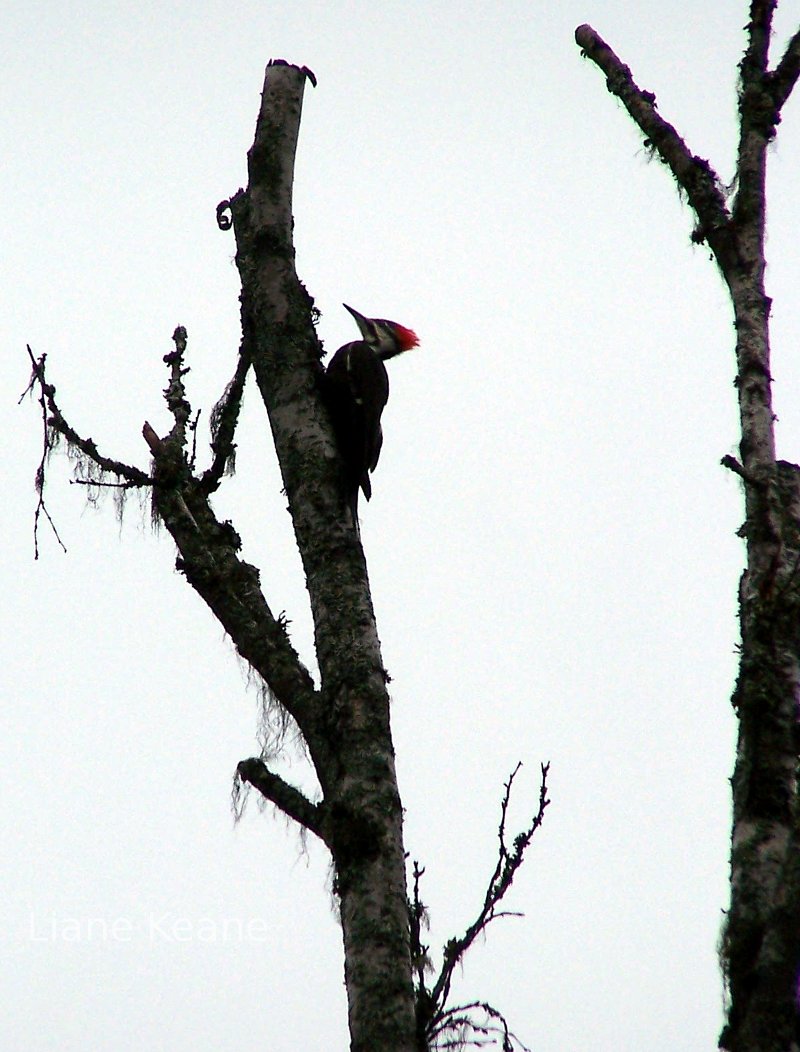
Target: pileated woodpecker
357	389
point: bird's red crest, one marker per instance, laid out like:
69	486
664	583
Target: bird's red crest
406	337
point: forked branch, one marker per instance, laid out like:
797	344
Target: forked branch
436	1019
54	427
208	548
132	476
209	557
760	945
459	1028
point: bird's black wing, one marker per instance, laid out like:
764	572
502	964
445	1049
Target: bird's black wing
357	389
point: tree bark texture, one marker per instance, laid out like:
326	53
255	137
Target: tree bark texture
761	940
347	723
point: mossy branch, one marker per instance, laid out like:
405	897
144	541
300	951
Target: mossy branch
782	80
694	175
54	427
224	418
133	476
279	792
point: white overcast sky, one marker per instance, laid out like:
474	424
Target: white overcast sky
551	540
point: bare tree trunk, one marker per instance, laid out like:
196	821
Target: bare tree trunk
761	943
347	728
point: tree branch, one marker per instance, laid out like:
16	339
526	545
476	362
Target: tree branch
175	393
278	334
418	919
693	174
208	548
231	588
279	792
54	425
48	442
134	476
754	63
760	945
459	1022
782	80
757	118
209	558
224	418
508	862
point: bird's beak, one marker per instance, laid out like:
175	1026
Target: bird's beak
361	321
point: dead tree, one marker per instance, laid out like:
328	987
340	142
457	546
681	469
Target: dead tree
344	722
761	939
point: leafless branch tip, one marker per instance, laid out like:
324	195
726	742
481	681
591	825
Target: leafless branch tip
435	1019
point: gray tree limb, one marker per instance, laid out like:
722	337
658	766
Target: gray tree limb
210	561
761	942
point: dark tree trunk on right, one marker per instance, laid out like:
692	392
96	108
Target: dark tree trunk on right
761	940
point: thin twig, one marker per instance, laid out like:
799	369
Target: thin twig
508	862
193	428
99	484
418	918
87	446
37	376
460	1022
53	424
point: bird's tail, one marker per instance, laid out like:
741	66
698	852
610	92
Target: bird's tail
353	505
364	485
